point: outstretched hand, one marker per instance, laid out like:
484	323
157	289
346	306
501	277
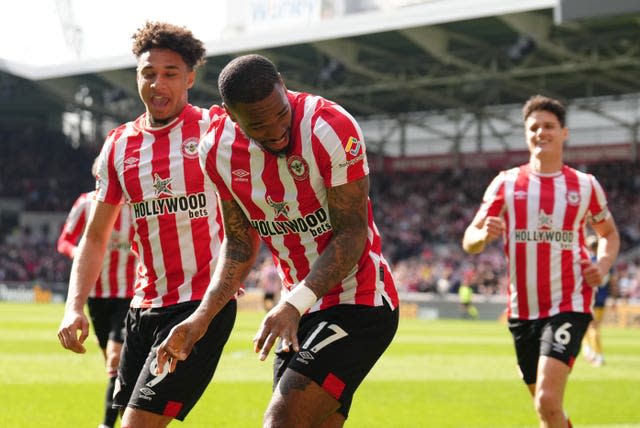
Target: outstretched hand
72	322
179	343
281	321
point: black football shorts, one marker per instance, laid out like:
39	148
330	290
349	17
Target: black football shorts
170	394
558	336
107	318
338	347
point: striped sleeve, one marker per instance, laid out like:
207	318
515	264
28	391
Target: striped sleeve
493	199
108	188
74	225
598	203
341	148
207	152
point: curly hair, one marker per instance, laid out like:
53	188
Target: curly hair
163	35
247	79
540	102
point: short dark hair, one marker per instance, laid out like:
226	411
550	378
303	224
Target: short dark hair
163	35
540	102
247	79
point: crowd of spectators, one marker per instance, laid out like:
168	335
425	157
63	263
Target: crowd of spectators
41	169
421	216
39	172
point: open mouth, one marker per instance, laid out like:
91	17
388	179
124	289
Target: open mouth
159	102
280	144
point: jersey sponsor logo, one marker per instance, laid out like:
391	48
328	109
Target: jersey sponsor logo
298	167
279	208
353	146
564	237
316	223
352	161
194	204
161	185
240	175
545	221
190	148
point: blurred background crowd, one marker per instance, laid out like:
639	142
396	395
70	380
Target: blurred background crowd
421	215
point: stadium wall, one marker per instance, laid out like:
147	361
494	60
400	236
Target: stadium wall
576	156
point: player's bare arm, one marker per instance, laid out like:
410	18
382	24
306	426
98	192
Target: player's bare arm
348	213
608	247
237	254
480	232
85	270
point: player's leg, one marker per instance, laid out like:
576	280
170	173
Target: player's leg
117	309
100	312
598	315
338	347
549	394
133	418
155	399
268	301
560	341
588	343
297	401
113	359
526	342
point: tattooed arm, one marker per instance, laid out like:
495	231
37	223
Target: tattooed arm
237	255
349	221
348	214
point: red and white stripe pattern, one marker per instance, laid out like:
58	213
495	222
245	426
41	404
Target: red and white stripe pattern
544	244
119	264
285	197
175	213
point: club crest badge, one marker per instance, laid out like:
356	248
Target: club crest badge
298	167
190	148
573	198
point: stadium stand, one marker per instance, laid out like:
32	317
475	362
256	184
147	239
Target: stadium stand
428	90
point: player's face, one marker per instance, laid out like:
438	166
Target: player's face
267	122
163	81
545	135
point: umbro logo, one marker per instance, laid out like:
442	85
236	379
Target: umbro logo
240	175
130	162
520	194
147	391
304	357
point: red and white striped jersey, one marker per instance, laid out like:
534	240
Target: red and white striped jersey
119	264
544	243
177	223
285	197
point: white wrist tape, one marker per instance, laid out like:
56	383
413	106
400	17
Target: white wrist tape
302	298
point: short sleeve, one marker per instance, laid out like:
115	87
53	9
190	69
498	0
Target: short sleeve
108	188
341	146
598	208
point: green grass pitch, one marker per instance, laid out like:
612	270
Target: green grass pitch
444	373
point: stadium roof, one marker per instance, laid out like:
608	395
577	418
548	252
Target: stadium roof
374	57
